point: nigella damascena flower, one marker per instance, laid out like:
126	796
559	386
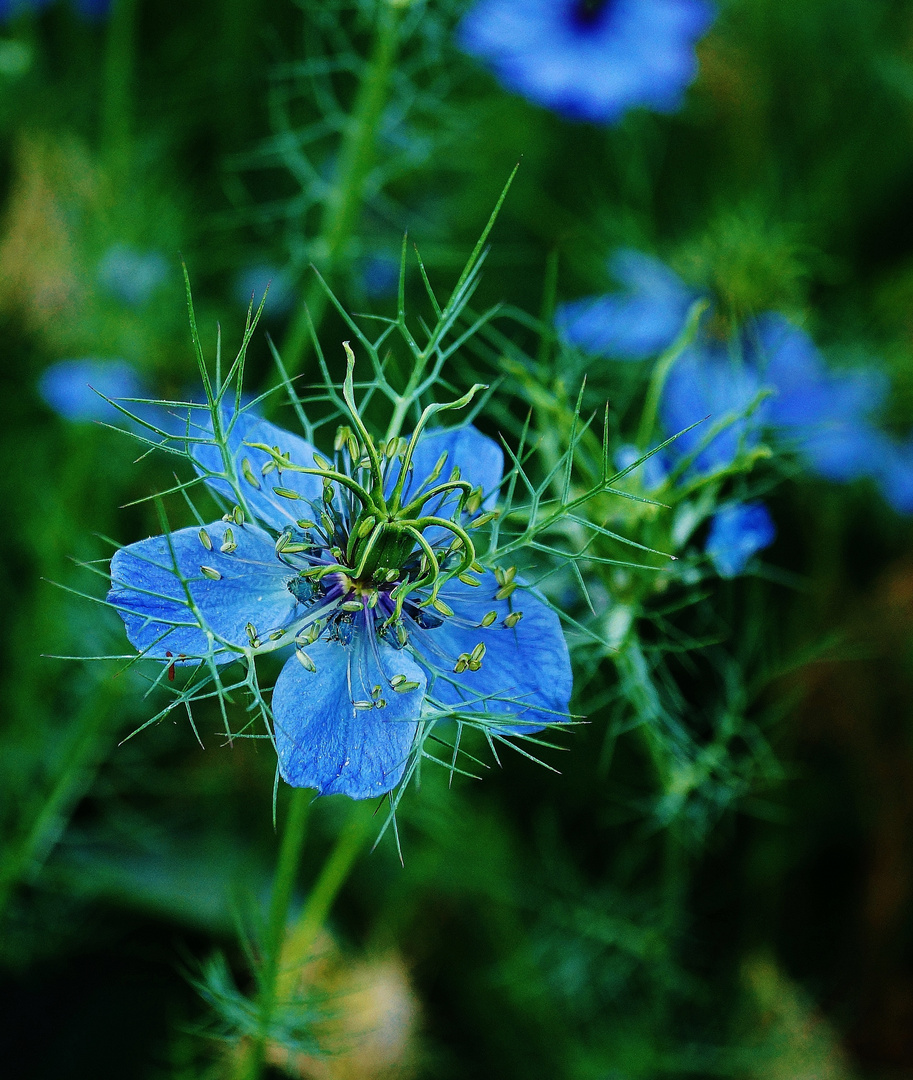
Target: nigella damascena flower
737	533
590	59
366	565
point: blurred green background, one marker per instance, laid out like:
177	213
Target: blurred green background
543	925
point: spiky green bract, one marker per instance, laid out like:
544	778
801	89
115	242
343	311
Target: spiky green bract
641	622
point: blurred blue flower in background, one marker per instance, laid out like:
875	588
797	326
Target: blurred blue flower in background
641	321
708	383
826	417
590	59
768	380
652	472
379	275
131	275
737	533
88	9
267	283
376	633
76	389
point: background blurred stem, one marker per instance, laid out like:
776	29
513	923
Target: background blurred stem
252	1058
81	755
346	196
117	90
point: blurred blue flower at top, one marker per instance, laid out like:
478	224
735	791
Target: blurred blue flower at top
641	321
379	275
716	390
590	59
737	533
88	9
268	283
130	275
93	9
76	389
10	8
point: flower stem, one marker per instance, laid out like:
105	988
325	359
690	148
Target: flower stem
346	197
301	939
252	1059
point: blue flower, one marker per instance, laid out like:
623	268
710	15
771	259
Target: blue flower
652	472
825	416
738	532
130	275
88	9
590	59
76	389
363	564
711	384
641	321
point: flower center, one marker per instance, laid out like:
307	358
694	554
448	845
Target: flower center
587	13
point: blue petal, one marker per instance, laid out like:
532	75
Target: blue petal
525	675
260	495
479	459
323	741
895	475
639	322
146	589
736	534
707	384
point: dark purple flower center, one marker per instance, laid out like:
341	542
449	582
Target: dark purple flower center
588	13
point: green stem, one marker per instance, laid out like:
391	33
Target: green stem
344	204
315	911
252	1060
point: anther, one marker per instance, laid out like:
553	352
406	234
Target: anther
309	635
489	618
228	544
405	686
286	493
505	592
205	539
213	575
252	635
511	620
248	473
306	662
